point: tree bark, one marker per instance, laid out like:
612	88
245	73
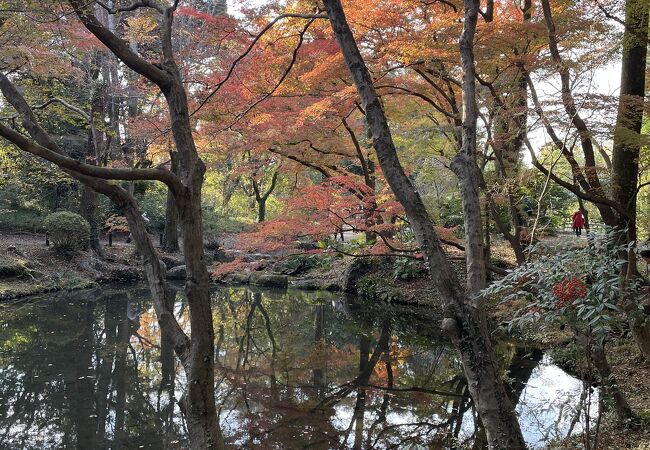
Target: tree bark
465	322
611	388
88	208
170	233
626	148
262	197
464	163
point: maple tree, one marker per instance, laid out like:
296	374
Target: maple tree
311	142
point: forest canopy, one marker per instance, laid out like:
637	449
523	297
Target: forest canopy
276	137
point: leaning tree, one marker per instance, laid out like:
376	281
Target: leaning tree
195	351
465	322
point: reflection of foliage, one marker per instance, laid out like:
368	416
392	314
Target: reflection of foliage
65	378
280	352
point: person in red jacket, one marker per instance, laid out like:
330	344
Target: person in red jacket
578	222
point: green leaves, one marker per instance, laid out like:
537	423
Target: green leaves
571	285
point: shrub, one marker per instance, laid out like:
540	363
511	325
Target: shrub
13	220
69	232
570	285
298	264
375	288
407	269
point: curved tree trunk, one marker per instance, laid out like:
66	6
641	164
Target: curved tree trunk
465	322
196	353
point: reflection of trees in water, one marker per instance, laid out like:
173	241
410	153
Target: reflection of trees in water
292	371
76	380
301	372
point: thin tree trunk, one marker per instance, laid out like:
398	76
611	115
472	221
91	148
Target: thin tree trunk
465	322
464	163
261	209
170	233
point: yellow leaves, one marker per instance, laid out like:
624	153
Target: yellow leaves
141	29
260	119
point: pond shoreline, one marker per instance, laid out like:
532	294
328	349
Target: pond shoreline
29	267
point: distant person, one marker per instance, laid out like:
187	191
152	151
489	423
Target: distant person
528	206
578	222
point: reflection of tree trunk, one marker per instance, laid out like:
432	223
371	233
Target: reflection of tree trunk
168	372
81	405
521	368
318	373
119	379
360	404
459	406
383	409
167	348
359	415
115	313
257	298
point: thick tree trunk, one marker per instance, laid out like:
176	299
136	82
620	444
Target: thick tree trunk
88	209
466	324
627	145
200	407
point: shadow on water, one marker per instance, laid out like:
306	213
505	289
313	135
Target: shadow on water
295	369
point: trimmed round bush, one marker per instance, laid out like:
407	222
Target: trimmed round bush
69	232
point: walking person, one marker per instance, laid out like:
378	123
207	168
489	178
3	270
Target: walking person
578	222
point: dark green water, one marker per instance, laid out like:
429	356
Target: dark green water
87	370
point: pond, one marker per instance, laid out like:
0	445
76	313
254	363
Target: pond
296	369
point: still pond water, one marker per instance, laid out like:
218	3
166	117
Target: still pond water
88	370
